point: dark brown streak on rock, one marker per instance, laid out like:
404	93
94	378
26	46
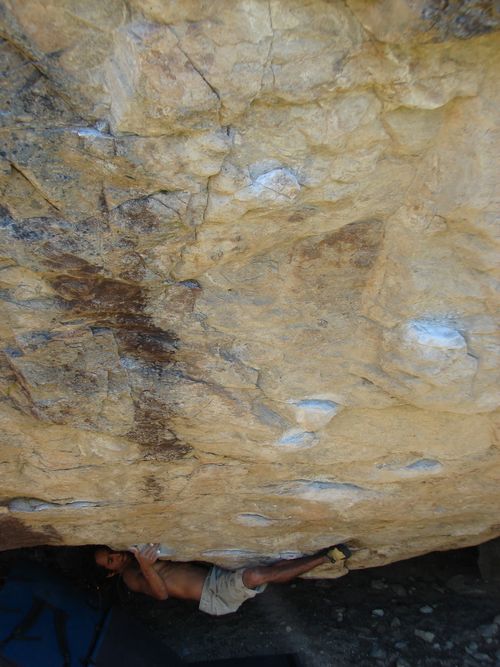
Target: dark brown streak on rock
119	306
14	534
98	297
87	297
24	402
357	243
68	262
151	417
152	487
7	373
149	343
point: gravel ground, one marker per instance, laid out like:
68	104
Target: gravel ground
430	611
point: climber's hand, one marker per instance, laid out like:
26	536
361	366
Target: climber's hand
147	555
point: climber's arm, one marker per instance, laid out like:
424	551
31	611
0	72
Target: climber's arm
147	580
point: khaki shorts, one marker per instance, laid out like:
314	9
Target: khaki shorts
224	591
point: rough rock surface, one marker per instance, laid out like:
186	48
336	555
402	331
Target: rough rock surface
249	276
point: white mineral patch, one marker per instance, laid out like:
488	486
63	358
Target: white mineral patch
424	465
431	365
253	520
289	555
344	494
165	552
29	505
435	335
313	414
281	181
298	439
419	468
278	185
92	133
35	505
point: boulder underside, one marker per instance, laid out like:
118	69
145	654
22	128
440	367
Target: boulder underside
249	276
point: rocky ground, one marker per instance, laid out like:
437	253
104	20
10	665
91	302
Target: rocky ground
430	611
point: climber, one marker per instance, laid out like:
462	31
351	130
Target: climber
218	591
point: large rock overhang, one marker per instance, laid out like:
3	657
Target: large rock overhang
248	277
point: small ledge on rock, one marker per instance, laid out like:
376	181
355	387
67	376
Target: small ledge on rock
314	413
341	493
427	465
281	181
190	284
430	334
298	439
428	365
36	505
289	555
416	468
254	520
92	132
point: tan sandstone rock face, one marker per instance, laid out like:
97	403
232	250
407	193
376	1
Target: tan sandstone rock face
249	276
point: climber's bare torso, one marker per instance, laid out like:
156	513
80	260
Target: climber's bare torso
142	572
182	580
